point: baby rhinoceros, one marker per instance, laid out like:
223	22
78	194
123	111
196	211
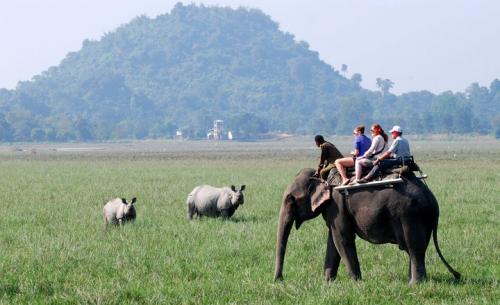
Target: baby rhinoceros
206	200
118	211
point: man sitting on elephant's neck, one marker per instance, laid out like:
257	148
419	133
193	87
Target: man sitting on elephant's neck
329	153
394	156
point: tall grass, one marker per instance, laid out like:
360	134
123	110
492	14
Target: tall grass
54	248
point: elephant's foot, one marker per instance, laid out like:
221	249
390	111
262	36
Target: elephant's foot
418	279
418	272
414	281
330	276
278	278
355	276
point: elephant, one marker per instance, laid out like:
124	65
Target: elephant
405	214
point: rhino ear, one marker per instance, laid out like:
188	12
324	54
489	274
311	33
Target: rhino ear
233	188
320	195
243	187
124	200
133	200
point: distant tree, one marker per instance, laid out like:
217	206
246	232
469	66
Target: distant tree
384	85
123	130
496	126
352	110
82	130
343	69
38	134
356	80
165	130
248	125
6	130
495	86
476	92
482	105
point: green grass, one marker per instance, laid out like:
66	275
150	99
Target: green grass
54	248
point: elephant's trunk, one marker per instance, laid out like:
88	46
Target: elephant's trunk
284	226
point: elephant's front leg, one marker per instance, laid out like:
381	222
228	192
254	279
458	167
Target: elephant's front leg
332	259
346	247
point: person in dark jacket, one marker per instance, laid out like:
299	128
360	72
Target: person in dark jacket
329	153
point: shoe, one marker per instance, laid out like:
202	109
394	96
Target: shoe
345	182
362	180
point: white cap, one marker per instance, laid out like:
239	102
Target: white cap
396	128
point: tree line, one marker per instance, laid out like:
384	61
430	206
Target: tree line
182	70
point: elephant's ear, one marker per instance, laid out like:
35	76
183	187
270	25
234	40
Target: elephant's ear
321	194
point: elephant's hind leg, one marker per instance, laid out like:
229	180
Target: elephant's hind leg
332	259
416	242
417	266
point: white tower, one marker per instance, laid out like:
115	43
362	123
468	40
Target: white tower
218	129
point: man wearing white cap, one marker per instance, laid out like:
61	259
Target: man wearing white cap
399	149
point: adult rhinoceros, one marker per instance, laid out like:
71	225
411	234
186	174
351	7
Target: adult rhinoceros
206	200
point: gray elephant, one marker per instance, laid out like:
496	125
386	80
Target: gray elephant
206	200
406	214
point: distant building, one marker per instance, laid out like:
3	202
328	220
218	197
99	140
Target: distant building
218	129
179	135
217	132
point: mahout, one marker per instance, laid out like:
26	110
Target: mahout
118	211
406	214
206	200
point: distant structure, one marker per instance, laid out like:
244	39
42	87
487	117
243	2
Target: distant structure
179	135
218	129
217	132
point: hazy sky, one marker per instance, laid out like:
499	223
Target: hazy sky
436	45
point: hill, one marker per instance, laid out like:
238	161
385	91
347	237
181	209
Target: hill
184	69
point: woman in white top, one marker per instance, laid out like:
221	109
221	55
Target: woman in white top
378	147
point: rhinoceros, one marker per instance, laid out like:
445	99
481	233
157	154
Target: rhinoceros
118	211
206	200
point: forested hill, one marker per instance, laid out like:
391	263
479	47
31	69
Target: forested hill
184	69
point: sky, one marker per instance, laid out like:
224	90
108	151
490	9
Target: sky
418	44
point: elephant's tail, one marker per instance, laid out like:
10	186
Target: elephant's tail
456	274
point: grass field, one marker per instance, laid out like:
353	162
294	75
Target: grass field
54	249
